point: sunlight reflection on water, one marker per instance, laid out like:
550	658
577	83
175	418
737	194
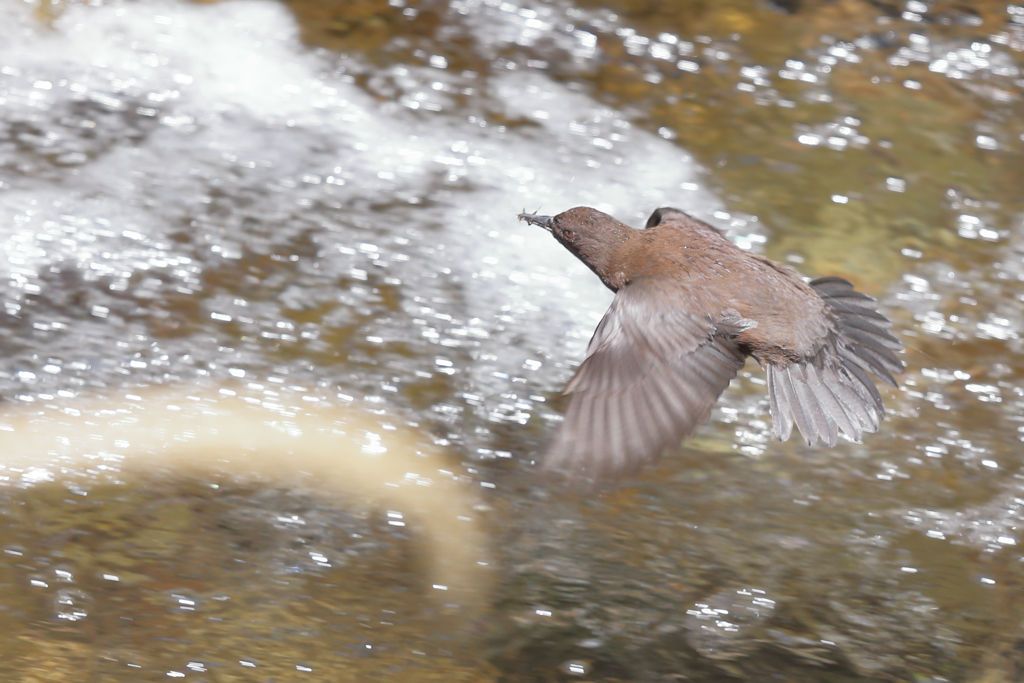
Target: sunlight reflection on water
191	196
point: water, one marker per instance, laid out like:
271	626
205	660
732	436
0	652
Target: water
206	217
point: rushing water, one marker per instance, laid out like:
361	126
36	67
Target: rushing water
309	210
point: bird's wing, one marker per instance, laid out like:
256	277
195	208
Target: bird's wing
832	392
653	372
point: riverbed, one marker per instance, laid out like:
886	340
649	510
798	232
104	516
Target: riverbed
305	214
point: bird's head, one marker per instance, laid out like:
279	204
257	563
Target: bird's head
592	236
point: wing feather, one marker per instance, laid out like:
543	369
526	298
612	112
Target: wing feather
653	372
831	391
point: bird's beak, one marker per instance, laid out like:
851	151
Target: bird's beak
534	219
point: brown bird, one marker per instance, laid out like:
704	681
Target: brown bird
689	307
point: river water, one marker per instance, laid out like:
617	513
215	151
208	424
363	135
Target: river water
227	222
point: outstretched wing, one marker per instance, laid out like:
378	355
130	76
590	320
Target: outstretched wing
832	391
653	372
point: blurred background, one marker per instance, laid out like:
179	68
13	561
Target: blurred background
313	204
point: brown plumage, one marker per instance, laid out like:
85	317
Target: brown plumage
689	307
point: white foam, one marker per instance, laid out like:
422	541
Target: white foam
243	109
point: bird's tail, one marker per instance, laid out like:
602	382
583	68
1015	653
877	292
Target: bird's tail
829	394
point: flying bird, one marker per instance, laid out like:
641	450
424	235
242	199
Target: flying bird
689	308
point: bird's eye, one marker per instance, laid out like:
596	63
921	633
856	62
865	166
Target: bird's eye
569	234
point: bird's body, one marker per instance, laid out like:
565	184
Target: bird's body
690	306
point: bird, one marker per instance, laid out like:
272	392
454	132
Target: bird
689	308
